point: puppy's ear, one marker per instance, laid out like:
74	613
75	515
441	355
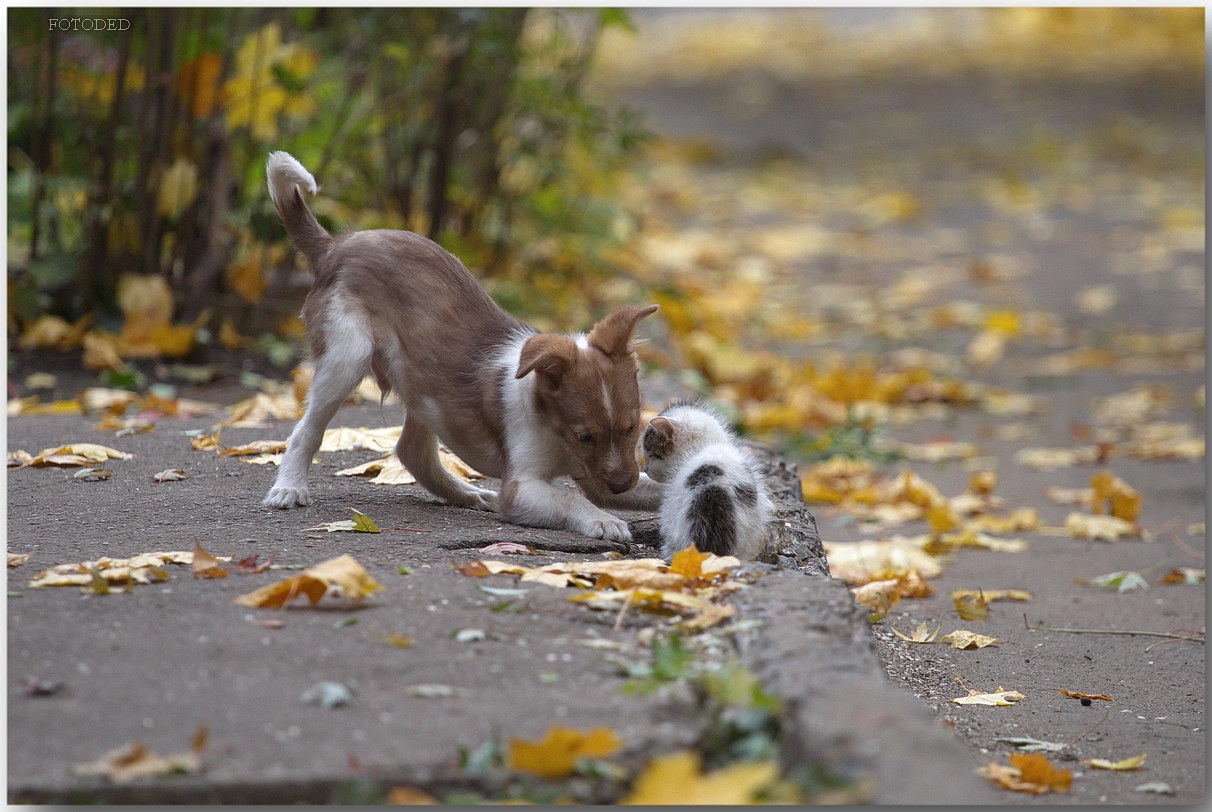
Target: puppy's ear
551	357
612	335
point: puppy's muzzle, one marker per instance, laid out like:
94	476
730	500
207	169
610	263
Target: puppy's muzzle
621	484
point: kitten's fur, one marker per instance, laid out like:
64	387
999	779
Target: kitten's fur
715	497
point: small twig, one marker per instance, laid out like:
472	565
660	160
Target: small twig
1182	545
1042	628
1175	640
618	621
1088	730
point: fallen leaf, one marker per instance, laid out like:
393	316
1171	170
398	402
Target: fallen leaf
1114	496
169	475
556	755
1079	695
688	562
1122	581
435	691
1155	787
999	697
505	548
878	596
267	459
145	568
995	594
409	796
93	474
386	471
41	687
1126	764
861	562
920	635
327	695
971	607
1030	744
360	523
1184	575
678	779
206	442
17	559
963	639
77	454
342	576
255	447
205	565
1029	772
134	760
1046	459
1105	528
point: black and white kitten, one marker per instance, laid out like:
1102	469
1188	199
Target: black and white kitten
715	497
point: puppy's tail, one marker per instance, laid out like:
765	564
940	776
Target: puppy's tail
287	181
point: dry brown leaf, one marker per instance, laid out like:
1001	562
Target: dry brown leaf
255	447
342	576
1079	695
17	559
556	755
1184	575
169	475
134	760
77	454
971	607
206	442
878	596
205	565
140	569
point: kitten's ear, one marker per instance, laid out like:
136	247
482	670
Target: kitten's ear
551	357
665	428
659	436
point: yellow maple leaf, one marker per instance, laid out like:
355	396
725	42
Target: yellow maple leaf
1028	772
688	562
922	634
342	574
678	779
557	754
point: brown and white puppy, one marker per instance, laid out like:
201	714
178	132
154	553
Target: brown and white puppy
513	402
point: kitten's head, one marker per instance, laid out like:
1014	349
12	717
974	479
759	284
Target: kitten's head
680	430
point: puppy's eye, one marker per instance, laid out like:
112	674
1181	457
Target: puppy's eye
585	437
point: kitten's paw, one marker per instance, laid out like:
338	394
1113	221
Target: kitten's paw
611	529
285	497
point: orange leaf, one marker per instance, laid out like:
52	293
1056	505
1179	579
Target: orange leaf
689	562
1036	769
1079	695
206	565
557	754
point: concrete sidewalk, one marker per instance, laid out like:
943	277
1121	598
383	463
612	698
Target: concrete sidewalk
155	664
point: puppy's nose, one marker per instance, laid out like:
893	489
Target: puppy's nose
620	484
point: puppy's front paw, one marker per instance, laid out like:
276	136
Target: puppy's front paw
285	497
611	529
483	499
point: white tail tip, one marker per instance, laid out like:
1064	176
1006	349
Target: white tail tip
283	173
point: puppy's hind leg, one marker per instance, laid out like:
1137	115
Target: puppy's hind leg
337	373
418	451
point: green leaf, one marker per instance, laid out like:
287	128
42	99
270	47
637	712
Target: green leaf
1122	581
363	523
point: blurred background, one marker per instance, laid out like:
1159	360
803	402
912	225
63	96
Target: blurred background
851	218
